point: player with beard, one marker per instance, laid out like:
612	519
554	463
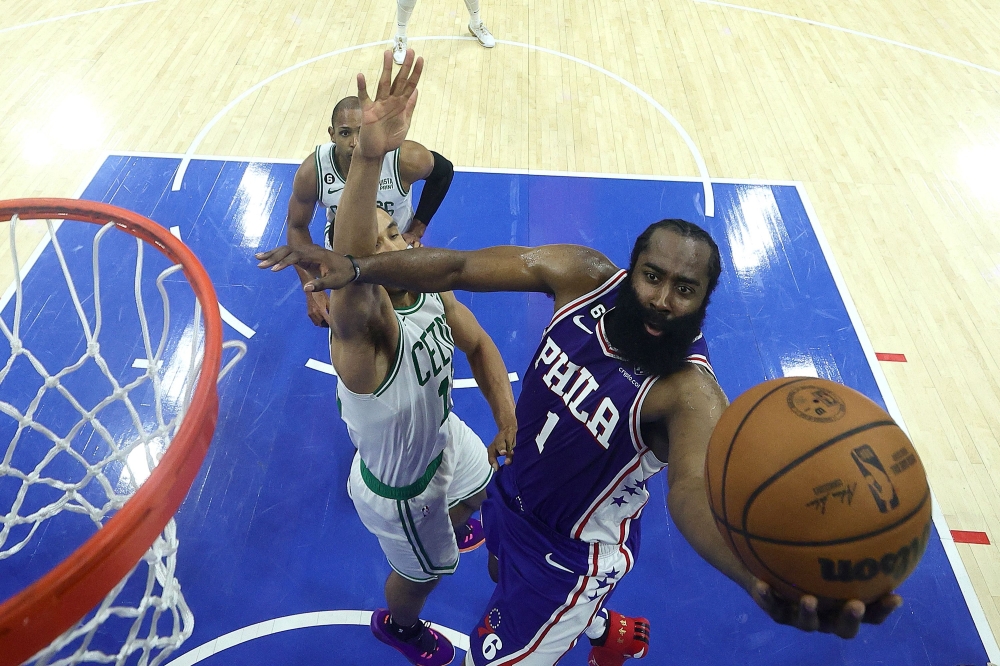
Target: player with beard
620	386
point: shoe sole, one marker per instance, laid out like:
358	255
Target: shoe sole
469	549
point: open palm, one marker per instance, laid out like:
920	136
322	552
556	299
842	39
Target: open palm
386	119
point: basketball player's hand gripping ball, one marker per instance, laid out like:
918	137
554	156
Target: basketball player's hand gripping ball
386	119
822	497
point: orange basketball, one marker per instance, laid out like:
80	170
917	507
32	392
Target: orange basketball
817	490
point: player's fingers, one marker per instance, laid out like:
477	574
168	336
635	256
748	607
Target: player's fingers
849	619
271	257
363	91
385	80
400	81
410	104
877	612
414	78
808	619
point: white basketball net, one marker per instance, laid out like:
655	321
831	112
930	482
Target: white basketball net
93	464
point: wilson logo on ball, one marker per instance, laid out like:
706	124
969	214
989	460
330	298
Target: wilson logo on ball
896	564
879	483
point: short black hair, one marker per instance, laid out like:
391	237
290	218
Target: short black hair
343	105
687	230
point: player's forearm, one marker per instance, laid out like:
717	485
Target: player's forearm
688	505
420	270
490	373
298	235
356	230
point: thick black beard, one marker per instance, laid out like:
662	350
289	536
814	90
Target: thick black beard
654	354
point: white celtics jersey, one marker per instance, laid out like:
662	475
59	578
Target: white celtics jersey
397	429
391	197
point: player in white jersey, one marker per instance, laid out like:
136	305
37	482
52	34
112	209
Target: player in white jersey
321	178
404	8
418	470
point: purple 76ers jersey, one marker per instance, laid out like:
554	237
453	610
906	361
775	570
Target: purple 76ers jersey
581	465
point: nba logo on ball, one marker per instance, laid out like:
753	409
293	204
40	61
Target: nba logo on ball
817	490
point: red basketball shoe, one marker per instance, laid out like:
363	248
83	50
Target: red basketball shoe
625	637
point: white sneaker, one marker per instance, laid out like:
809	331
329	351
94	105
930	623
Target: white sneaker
483	34
399	50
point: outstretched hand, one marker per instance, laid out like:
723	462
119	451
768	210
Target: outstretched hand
502	445
337	269
386	119
805	614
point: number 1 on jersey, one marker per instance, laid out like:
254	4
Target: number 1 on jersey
550	424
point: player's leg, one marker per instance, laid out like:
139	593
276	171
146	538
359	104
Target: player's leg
406	599
403	10
549	590
471	473
476	25
416	536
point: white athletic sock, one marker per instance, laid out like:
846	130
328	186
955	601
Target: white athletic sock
598	626
473	6
403	10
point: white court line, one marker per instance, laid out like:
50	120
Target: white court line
328	369
290	622
475	169
471	383
226	315
961	574
66	16
702	168
239	326
852	32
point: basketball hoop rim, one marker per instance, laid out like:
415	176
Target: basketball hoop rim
38	614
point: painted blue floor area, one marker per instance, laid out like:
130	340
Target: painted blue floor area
268	530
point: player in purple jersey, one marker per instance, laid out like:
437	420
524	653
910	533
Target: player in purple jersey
620	386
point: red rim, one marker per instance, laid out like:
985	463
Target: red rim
37	615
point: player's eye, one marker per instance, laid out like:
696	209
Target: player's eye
652	277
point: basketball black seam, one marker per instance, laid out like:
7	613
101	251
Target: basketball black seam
836	542
806	456
774	477
729	453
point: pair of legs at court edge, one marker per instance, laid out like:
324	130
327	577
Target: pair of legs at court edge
405	7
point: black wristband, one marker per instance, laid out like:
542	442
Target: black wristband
357	268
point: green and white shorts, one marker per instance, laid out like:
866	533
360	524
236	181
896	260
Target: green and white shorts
412	523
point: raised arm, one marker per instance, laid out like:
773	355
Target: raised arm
489	371
360	308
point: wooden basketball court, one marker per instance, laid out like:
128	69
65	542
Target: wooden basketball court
888	113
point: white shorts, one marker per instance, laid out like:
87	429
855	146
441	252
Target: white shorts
416	534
